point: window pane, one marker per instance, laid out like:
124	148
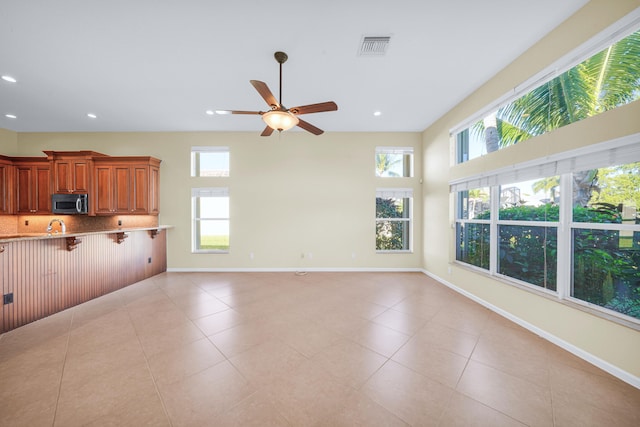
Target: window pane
392	208
529	253
213	207
392	235
210	221
394	164
535	200
607	195
473	244
210	163
474	204
605	269
213	235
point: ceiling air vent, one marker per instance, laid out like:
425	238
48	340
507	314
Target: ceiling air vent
374	46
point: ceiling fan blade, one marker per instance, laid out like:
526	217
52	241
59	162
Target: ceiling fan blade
267	131
310	128
265	93
315	108
238	112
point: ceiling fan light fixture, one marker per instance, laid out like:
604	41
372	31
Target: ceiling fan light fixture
280	120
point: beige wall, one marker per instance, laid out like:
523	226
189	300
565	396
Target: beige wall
615	345
8	142
290	194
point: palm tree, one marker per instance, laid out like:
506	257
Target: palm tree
605	81
385	162
549	185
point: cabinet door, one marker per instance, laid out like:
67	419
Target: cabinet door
122	186
63	172
42	190
5	194
103	194
154	191
81	177
140	189
33	189
71	176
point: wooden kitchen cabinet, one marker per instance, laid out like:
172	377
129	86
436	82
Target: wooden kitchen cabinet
33	186
126	185
72	170
71	176
6	186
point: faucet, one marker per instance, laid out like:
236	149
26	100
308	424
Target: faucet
63	228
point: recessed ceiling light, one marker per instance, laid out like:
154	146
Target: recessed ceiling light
377	113
92	116
11	116
210	112
9	79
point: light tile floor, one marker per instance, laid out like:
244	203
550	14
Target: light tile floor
279	349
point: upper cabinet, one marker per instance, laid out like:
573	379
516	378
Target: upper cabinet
32	186
72	170
126	185
122	185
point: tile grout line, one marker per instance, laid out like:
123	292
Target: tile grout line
64	364
146	361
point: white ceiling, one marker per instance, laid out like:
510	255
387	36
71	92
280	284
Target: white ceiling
158	65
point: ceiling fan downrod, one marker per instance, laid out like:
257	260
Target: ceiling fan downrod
281	57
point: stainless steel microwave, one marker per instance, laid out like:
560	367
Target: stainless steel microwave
70	204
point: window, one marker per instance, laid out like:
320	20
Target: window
210	213
210	161
606	238
602	82
473	226
528	231
393	219
394	161
568	226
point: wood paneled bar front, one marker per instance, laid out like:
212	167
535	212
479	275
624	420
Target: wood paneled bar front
40	276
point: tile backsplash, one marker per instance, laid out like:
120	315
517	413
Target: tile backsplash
11	224
8	224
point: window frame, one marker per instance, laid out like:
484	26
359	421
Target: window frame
406	194
196	194
407	160
618	152
198	151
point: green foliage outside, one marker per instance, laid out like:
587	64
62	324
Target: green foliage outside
603	82
474	246
606	263
389	234
214	242
606	268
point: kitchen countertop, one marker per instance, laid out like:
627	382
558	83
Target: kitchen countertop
7	238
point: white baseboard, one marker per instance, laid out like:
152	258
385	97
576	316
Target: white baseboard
588	357
293	270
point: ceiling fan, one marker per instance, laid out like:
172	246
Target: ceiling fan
279	117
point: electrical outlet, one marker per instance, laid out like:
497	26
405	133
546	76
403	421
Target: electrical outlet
149	261
119	223
251	255
26	222
309	255
8	298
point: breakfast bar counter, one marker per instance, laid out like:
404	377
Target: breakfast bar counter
42	274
